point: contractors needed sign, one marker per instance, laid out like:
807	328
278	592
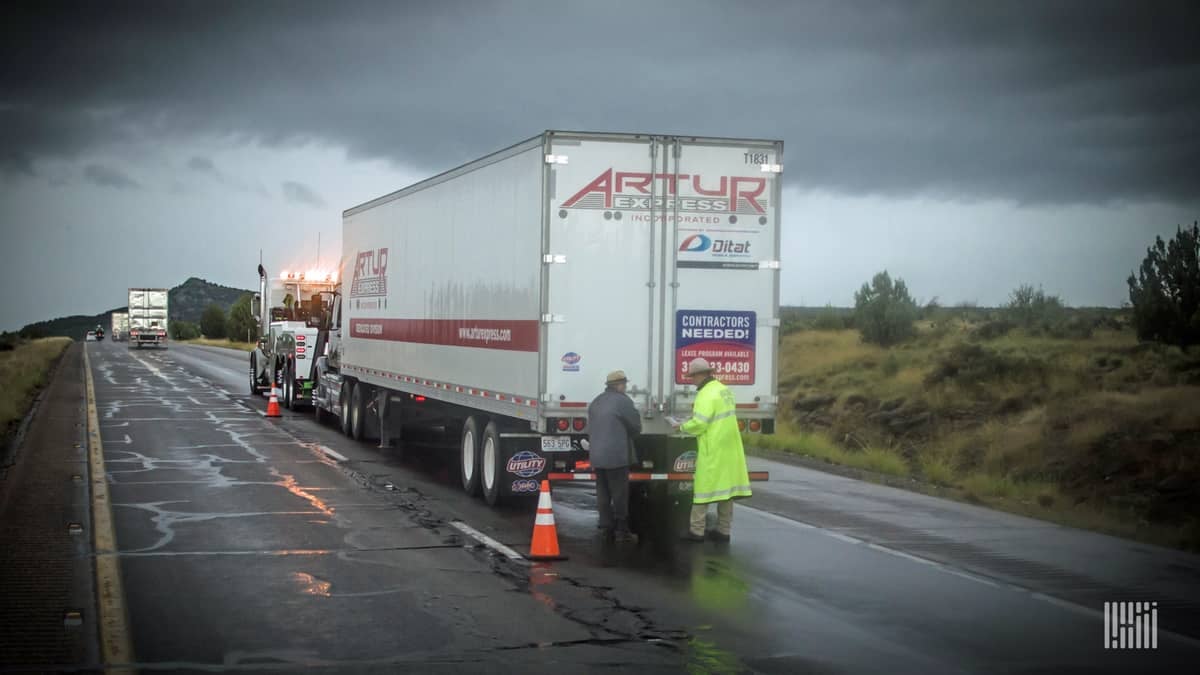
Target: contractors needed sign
724	339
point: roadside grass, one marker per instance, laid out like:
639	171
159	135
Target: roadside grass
23	371
820	446
227	344
1081	431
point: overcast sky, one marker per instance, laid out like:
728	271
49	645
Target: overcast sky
967	147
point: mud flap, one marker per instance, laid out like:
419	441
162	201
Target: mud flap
524	464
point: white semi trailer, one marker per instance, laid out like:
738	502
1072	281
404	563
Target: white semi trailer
492	300
148	313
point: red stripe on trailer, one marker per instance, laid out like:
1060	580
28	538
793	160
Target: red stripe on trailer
572	404
747	405
645	477
516	336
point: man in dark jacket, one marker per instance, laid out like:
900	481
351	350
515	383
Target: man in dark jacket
613	422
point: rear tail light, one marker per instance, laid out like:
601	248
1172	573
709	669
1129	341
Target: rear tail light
563	424
299	338
419	399
755	426
741	425
299	349
579	423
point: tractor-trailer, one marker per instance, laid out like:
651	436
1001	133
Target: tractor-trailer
492	300
120	326
148	317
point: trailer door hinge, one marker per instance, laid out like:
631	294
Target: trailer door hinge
554	259
772	168
554	318
768	264
556	159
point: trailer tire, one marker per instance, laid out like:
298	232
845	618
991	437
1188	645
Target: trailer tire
344	406
490	464
468	456
358	413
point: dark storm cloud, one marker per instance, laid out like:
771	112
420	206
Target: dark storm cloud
202	165
107	176
299	193
1046	102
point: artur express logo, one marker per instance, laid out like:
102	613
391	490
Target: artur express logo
370	274
631	191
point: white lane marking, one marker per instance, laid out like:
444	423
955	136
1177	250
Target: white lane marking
487	541
333	453
979	579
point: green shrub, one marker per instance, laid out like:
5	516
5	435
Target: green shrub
1166	293
1033	310
183	330
212	322
970	364
829	319
884	311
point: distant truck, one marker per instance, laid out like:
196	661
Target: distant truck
489	302
148	317
120	326
289	329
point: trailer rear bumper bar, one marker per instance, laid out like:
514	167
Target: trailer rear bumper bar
638	476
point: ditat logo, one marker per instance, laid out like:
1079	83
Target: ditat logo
526	464
370	274
697	243
524	485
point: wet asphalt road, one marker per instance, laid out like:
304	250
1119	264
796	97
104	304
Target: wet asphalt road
245	545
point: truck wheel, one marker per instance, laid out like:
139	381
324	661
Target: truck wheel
491	471
358	412
344	405
287	386
468	454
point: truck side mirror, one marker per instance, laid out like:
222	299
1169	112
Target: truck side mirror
256	307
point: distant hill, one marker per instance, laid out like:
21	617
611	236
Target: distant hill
187	302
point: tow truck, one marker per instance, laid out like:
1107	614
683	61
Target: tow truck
289	331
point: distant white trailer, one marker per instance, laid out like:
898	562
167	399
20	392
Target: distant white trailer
148	317
120	326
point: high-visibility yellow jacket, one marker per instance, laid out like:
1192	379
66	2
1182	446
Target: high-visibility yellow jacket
720	460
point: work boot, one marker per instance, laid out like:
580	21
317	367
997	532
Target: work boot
692	537
718	537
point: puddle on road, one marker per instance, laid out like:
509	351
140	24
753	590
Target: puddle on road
312	585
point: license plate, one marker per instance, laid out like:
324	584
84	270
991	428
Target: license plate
556	443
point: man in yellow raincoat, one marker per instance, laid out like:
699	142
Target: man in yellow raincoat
721	474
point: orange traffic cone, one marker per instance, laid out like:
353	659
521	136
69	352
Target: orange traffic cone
545	534
273	404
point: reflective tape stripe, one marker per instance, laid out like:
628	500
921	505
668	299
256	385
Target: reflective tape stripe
721	493
544	519
658	476
727	413
544	501
702	418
